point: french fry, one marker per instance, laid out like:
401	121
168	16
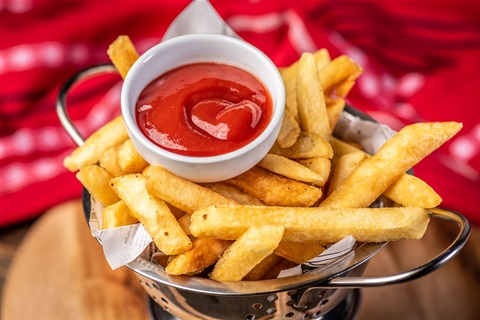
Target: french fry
254	245
289	75
318	224
334	111
182	193
291	104
338	77
259	271
308	145
341	147
97	181
109	161
298	252
277	268
273	189
147	171
117	215
205	252
289	131
153	213
110	135
129	159
312	110
184	223
123	54
410	191
234	194
290	169
374	175
322	166
344	167
401	190
177	213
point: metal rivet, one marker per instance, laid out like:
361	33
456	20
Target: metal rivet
272	298
257	306
271	310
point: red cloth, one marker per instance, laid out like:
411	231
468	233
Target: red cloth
421	61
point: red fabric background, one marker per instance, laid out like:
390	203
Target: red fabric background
421	61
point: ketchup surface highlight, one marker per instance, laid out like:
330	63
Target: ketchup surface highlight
204	109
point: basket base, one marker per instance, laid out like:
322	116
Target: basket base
346	310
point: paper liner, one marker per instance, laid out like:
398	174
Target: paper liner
124	244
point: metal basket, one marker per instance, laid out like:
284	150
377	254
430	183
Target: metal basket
327	293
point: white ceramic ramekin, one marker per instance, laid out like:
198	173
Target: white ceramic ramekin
203	48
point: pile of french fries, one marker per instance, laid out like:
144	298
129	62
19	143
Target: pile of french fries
310	191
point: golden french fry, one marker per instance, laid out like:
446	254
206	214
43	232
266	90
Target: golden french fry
229	222
410	191
153	213
277	268
334	110
273	189
205	252
290	169
109	161
298	252
110	135
177	213
322	58
129	159
374	175
117	215
233	193
254	245
289	76
289	131
184	222
123	54
97	181
312	110
259	271
147	171
321	166
338	77
291	103
401	190
182	193
308	145
341	147
344	167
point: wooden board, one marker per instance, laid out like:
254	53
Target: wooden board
59	272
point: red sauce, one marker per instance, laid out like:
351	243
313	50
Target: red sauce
204	109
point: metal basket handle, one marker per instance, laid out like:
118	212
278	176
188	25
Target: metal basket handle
61	105
452	250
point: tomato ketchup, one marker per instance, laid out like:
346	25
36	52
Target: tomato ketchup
204	109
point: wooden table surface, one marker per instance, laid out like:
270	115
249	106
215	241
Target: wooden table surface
54	269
